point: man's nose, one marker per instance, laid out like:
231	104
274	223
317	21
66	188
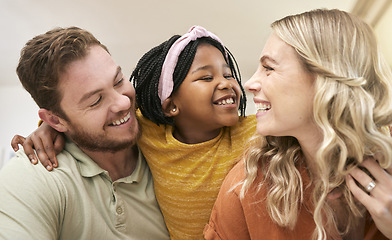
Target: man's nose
120	103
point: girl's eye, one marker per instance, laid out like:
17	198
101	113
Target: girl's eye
119	82
96	102
206	78
267	68
229	76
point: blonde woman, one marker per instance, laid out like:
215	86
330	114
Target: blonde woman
323	97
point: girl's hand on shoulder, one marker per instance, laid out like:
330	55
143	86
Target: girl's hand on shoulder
47	143
378	198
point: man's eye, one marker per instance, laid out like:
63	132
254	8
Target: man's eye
96	102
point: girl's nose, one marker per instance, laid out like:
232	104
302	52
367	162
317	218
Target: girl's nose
225	83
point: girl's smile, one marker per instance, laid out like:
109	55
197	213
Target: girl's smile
208	98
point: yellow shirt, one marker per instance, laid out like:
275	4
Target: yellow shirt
187	177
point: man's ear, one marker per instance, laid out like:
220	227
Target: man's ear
169	108
53	120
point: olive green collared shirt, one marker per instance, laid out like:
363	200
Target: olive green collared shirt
77	200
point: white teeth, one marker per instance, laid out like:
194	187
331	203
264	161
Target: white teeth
226	101
123	120
262	107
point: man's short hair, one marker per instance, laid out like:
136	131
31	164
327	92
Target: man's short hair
45	57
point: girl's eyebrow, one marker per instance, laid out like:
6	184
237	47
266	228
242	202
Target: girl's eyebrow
206	67
202	68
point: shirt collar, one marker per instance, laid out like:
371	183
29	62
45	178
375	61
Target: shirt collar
88	168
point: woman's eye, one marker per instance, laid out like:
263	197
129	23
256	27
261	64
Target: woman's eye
119	82
96	102
267	68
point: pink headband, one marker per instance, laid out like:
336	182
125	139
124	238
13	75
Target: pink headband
165	86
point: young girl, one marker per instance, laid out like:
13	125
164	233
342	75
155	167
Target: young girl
189	93
323	98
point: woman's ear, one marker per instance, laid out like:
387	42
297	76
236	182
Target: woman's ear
169	108
53	120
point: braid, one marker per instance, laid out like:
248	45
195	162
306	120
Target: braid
235	70
145	76
185	60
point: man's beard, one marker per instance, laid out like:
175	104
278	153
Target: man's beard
100	142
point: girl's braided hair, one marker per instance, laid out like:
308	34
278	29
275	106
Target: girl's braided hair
145	76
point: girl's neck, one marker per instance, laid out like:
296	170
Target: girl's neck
193	136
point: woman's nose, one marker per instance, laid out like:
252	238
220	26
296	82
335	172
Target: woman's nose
253	84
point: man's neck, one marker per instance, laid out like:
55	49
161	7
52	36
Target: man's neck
118	164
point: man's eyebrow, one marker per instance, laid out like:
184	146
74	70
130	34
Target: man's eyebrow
89	94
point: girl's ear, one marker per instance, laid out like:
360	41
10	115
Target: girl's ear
169	108
53	120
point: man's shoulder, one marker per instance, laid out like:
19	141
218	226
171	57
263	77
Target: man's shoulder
31	197
27	185
20	167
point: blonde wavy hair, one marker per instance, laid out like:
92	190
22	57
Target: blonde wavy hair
352	107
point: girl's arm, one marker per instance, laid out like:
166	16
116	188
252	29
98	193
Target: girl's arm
47	143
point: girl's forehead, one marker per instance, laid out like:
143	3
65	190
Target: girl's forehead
208	53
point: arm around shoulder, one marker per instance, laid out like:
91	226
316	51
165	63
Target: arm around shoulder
30	202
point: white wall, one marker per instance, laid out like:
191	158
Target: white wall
383	31
19	115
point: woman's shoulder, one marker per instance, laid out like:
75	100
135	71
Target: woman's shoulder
238	171
234	178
